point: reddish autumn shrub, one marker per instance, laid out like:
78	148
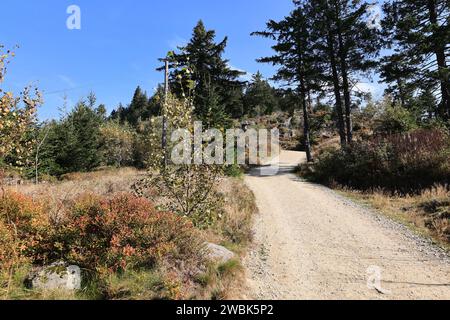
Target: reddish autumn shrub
125	232
24	226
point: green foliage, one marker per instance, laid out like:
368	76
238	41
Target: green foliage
144	142
288	100
116	142
137	285
73	143
186	189
405	163
141	107
17	117
395	119
190	191
211	73
419	33
234	171
259	97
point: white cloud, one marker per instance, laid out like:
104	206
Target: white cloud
247	76
67	81
373	88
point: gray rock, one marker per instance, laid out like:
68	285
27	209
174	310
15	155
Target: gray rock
218	253
57	276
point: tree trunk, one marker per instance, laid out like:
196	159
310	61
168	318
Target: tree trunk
401	92
345	81
164	114
337	90
306	126
335	76
439	50
347	101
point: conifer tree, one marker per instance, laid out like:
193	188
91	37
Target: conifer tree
138	109
259	97
419	31
211	72
295	60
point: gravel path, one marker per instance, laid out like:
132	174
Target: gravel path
311	243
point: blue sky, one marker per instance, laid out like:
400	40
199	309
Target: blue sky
119	43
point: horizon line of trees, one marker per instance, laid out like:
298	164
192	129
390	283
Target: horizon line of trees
322	49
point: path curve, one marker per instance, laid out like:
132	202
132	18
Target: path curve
311	243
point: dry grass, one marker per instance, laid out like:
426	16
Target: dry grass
427	213
104	182
233	231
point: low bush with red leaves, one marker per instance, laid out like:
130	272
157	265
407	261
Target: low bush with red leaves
24	227
125	232
106	237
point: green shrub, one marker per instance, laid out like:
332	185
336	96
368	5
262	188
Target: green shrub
405	163
395	119
234	171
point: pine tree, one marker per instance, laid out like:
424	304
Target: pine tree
349	45
420	34
259	97
211	72
398	74
295	60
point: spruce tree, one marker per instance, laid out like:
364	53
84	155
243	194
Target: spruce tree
73	143
211	72
259	97
295	60
419	31
138	109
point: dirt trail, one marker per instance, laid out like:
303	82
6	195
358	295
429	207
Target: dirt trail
310	243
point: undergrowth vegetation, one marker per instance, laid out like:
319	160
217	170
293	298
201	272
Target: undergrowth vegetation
403	163
125	246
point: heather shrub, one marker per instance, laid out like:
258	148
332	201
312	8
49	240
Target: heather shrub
108	238
405	163
23	227
124	233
